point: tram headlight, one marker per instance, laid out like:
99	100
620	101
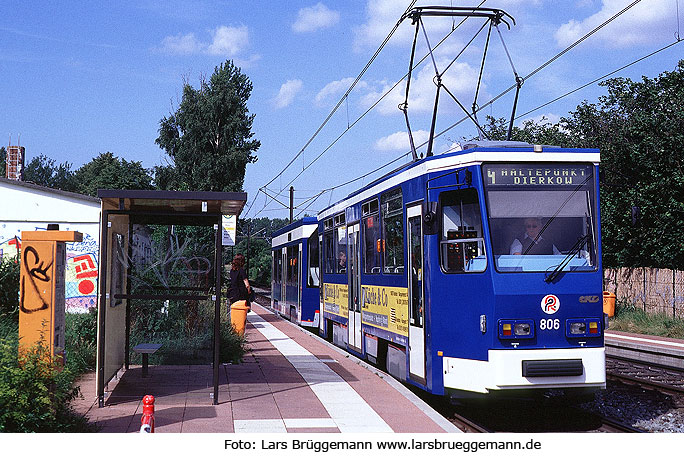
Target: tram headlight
583	327
578	328
522	329
516	329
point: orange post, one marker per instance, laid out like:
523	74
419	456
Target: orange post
147	420
41	290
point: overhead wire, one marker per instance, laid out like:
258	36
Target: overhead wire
334	110
489	103
342	99
350	126
532	110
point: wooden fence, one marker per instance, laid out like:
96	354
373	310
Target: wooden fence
656	290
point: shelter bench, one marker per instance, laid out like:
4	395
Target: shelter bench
146	349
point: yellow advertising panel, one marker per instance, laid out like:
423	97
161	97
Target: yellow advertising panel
336	299
386	307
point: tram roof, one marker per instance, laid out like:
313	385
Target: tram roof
482	151
295	224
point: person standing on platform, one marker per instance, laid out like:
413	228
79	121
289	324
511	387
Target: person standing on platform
239	284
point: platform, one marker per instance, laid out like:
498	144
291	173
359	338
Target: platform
661	351
291	381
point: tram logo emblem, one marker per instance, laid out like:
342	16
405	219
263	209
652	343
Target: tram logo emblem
550	304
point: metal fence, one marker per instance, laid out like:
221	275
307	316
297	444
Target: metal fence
656	290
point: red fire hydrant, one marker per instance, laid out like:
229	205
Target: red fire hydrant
147	420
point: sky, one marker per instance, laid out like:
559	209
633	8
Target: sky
82	78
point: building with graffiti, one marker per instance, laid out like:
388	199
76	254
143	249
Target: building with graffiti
27	207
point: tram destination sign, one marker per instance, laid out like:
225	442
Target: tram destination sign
558	175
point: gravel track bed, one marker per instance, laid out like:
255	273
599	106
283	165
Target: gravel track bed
647	410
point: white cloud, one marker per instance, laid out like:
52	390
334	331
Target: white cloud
400	141
646	22
314	18
181	44
287	93
382	16
228	41
334	88
225	41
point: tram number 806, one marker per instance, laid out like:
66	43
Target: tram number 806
549	324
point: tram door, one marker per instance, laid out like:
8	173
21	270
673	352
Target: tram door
300	282
416	301
354	283
283	285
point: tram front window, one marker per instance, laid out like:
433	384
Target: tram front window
541	216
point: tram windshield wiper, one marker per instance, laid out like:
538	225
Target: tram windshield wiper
574	250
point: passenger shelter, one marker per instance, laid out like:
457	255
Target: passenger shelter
121	210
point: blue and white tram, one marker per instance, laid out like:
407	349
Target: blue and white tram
476	271
295	280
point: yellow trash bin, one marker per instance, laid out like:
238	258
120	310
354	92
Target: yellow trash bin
609	303
238	316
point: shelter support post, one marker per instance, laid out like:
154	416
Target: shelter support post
218	262
102	307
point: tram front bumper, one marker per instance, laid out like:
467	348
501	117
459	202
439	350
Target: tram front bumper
526	369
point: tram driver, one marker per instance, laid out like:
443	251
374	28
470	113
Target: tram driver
531	242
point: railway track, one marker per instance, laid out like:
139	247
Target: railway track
663	379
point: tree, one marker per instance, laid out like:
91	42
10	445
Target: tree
639	127
107	171
209	137
41	170
544	132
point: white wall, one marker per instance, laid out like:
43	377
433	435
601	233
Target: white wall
27	208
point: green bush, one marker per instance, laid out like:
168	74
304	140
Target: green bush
9	289
35	394
232	344
81	341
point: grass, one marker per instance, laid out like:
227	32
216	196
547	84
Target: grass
630	318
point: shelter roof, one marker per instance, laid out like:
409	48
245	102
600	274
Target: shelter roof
172	206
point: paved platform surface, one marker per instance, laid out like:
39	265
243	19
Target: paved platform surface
657	350
290	382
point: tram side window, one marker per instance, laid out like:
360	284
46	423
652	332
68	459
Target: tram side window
371	244
393	231
276	267
329	243
292	265
461	240
313	277
341	249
